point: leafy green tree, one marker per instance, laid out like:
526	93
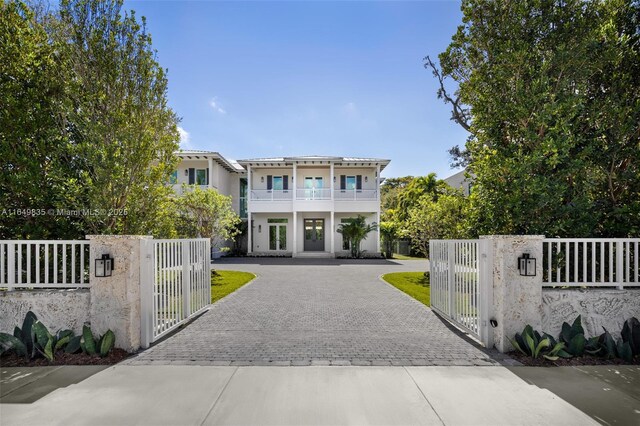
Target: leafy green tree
38	162
205	213
120	115
84	124
445	218
550	92
388	234
355	231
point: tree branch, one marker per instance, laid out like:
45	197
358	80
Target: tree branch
459	114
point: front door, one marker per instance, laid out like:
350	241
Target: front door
314	235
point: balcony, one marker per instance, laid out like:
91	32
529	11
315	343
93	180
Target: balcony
313	194
355	194
271	195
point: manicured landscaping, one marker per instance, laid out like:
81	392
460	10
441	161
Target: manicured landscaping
226	282
415	284
403	257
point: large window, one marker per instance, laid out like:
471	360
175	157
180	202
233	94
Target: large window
173	177
277	183
351	182
243	198
201	177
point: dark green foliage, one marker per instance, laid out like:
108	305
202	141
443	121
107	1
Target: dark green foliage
573	337
607	345
12	343
631	334
35	335
88	343
74	345
532	344
354	232
106	343
550	94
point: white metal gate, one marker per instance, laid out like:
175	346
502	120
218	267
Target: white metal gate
460	284
176	284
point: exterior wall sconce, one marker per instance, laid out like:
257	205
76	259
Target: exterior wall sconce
334	179
261	179
260	228
527	265
186	172
366	178
104	266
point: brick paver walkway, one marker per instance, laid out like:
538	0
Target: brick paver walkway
317	312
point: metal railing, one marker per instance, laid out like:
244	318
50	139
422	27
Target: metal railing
313	194
355	194
176	284
44	264
271	195
590	262
459	284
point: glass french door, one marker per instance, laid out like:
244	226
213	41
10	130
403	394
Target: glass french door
277	237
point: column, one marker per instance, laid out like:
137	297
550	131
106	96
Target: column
116	300
249	215
331	175
210	172
332	230
294	247
516	299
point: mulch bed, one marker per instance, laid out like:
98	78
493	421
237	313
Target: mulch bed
62	358
568	362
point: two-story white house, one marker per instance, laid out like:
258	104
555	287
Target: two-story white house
293	205
297	203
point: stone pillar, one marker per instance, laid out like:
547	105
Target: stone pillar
517	299
115	300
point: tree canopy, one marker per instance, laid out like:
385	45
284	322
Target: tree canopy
88	138
550	93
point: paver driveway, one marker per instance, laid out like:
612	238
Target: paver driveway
317	312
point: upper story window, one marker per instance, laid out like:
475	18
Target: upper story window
198	177
277	183
173	177
350	182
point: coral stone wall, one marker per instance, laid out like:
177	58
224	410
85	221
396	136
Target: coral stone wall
57	309
598	307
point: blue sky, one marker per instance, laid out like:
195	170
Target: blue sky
266	79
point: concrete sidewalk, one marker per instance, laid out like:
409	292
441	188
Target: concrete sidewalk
200	395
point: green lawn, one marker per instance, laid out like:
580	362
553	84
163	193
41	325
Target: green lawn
225	282
415	284
403	257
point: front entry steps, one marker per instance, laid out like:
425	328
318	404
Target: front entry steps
315	255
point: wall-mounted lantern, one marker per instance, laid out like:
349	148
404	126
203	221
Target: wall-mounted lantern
334	179
366	178
186	172
259	228
104	266
527	265
261	179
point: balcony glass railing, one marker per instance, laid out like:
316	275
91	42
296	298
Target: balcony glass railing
355	194
313	194
271	195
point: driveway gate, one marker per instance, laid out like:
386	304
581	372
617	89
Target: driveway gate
176	284
460	284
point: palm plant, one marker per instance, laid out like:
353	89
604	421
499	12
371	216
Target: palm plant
354	231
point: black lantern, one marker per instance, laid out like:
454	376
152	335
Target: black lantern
104	266
527	265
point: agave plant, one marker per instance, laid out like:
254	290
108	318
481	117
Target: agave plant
532	344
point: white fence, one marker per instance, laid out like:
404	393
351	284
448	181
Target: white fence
459	290
44	264
590	262
175	284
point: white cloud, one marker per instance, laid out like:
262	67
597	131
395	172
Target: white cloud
185	138
215	104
